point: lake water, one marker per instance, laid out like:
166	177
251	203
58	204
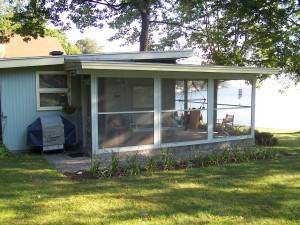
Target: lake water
273	110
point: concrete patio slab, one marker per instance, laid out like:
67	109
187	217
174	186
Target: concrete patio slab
65	163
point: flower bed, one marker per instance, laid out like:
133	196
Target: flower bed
132	166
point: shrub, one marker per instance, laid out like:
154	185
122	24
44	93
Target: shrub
167	161
133	166
113	169
232	154
199	160
151	164
95	168
265	139
114	166
3	152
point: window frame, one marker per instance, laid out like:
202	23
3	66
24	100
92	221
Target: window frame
40	91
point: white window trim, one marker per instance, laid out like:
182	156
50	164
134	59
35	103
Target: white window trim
51	90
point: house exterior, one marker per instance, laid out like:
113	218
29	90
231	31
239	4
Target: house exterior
130	101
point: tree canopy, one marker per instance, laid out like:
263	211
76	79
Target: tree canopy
227	32
135	20
69	48
88	46
242	33
7	27
29	21
16	17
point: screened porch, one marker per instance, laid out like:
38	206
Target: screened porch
140	113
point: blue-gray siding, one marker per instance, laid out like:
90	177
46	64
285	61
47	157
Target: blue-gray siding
18	103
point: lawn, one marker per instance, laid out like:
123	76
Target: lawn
260	192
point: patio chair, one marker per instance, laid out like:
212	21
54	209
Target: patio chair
228	120
226	127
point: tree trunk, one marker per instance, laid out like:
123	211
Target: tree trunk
145	15
144	38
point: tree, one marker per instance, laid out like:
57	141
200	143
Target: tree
88	46
134	19
228	32
28	21
6	25
241	32
69	48
25	20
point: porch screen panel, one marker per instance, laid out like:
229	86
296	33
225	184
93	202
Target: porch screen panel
184	113
233	107
125	112
125	94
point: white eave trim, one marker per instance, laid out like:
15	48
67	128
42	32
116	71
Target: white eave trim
132	56
85	65
35	61
124	56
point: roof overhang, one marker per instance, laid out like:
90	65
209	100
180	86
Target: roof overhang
134	61
81	66
31	61
149	56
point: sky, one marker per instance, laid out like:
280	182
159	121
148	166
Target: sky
101	36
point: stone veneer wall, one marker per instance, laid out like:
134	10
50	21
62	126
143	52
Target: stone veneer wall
177	153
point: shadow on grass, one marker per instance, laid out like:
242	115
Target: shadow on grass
287	141
31	192
248	191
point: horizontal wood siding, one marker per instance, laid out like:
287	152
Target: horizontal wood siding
18	102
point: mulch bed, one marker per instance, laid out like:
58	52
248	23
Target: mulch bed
179	165
80	176
85	175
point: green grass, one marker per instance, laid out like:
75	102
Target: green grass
261	192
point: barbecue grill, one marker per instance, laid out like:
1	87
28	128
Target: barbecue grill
51	133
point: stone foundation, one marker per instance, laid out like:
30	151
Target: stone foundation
176	153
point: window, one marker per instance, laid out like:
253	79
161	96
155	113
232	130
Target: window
52	90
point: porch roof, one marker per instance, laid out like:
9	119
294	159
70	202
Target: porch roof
136	61
150	56
80	66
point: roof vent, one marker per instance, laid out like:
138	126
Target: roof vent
54	53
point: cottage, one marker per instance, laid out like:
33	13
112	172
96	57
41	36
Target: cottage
130	101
